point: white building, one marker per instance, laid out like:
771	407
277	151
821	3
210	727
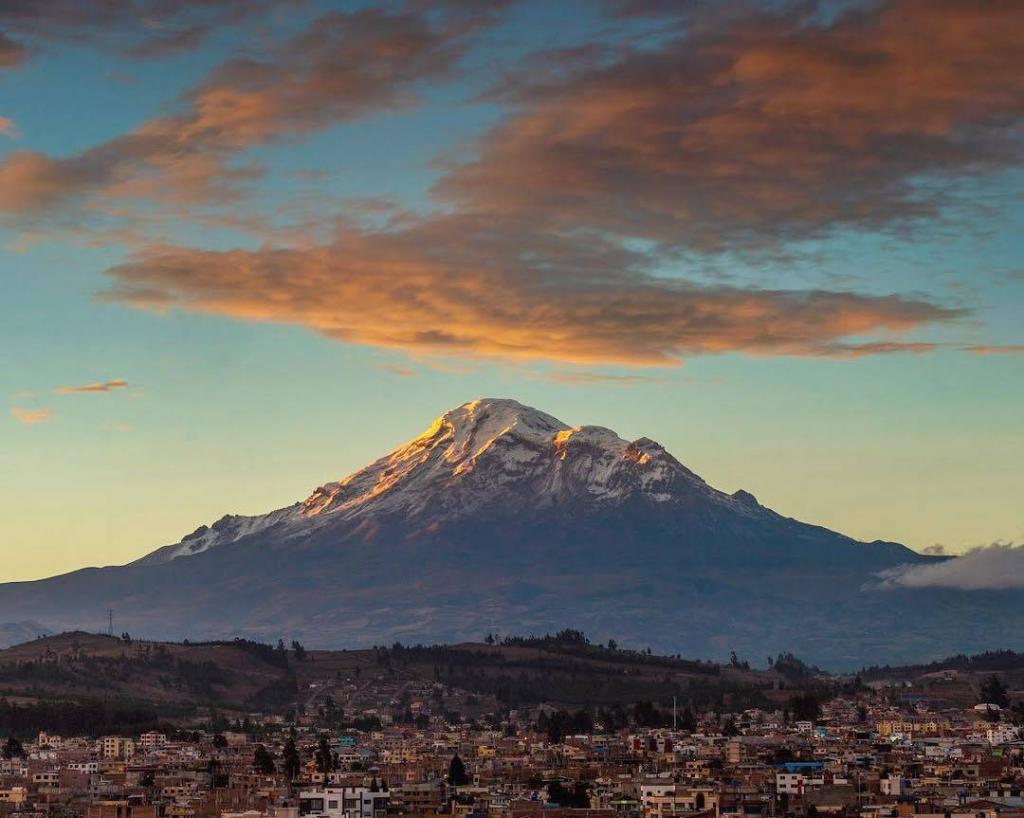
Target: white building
344	802
656	789
797	783
1002	733
895	785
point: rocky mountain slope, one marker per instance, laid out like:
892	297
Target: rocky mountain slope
500	517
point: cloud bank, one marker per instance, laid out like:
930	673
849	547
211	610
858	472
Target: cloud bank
999	566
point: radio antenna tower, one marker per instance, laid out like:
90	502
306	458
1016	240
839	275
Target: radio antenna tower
110	621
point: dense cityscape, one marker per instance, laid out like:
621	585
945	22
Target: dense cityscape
941	742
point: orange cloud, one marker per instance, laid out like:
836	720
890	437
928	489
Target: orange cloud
7	127
745	131
736	133
345	65
30	417
468	286
106	386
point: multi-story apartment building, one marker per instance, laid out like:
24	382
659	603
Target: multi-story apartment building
344	802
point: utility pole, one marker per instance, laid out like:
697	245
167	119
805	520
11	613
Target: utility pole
110	621
673	712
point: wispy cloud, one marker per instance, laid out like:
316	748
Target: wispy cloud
106	386
7	127
30	417
400	370
995	349
133	28
999	566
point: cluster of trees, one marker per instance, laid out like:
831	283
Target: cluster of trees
515	679
13	749
793	668
275	696
421	720
992	660
805	706
332	717
575	797
265	763
562	723
735	662
575	642
566	650
90	718
202	678
38	671
276	655
993	691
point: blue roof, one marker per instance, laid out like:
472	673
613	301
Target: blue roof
801	766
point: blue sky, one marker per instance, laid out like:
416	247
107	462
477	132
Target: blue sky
609	211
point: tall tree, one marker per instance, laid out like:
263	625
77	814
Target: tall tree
13	748
457	773
324	759
263	761
993	691
292	762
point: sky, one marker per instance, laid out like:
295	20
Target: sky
247	247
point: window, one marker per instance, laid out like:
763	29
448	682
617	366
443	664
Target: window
332	804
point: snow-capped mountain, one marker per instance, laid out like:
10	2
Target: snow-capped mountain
500	517
489	453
